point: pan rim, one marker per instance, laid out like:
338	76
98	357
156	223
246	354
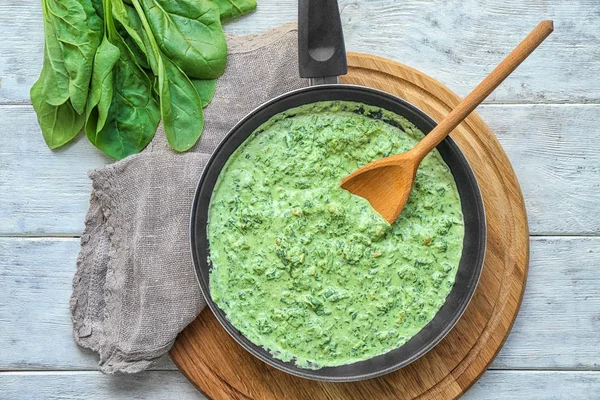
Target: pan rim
309	373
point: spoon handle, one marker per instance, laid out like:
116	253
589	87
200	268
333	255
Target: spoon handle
483	90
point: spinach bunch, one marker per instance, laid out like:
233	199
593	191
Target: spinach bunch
115	68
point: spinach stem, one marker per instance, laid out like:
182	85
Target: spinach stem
154	46
109	22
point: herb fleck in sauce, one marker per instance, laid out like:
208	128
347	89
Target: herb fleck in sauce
313	273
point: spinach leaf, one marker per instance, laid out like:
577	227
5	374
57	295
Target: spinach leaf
97	4
136	24
101	91
139	53
206	89
134	113
53	83
190	34
79	31
180	104
135	36
50	94
59	124
180	107
234	8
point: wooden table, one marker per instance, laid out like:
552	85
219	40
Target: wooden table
546	117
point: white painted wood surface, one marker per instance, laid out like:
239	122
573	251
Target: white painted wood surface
457	42
169	385
545	115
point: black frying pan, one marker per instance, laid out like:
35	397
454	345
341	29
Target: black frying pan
322	58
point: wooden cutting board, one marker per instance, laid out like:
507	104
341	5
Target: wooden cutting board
222	369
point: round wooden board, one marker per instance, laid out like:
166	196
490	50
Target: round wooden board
222	369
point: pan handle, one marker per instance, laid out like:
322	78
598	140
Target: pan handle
321	49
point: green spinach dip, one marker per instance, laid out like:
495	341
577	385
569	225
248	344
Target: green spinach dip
313	273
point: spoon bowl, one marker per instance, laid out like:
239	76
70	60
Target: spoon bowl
385	183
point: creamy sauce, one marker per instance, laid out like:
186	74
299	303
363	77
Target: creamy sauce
313	273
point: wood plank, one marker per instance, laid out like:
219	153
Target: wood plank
494	385
558	326
555	151
455	42
535	385
42	191
156	385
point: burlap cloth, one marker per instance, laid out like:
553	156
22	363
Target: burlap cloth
135	287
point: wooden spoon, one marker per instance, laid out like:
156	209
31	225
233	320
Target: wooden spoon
386	183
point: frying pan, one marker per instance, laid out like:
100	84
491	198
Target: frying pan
322	59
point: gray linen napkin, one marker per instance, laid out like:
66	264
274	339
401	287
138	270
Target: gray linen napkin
135	287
